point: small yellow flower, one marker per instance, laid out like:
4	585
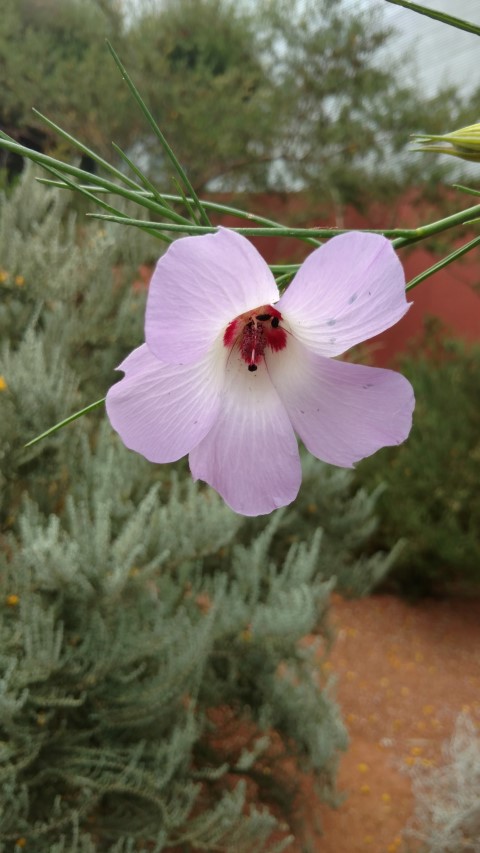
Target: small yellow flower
3	276
364	789
13	600
3	384
19	280
463	143
362	767
386	798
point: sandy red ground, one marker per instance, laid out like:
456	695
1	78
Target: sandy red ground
405	673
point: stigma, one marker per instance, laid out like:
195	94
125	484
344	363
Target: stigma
253	333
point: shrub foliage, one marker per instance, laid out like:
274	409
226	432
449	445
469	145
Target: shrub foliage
432	498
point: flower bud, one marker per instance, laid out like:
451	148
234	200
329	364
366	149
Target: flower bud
463	143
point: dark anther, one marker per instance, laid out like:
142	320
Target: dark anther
252	367
275	323
263	316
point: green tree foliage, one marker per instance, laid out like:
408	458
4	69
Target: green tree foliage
199	69
349	103
53	57
270	95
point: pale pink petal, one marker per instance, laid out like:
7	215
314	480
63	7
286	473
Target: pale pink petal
345	292
342	412
250	456
162	411
199	286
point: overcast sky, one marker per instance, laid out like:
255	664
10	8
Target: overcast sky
443	54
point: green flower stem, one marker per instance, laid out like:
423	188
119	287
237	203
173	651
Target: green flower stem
118	213
217	207
153	193
59	166
403	236
88	151
279	231
158	133
468	190
463	217
449	259
288	269
228	210
66	421
459	23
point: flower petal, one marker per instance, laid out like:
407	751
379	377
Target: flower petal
342	412
250	456
199	286
345	292
162	411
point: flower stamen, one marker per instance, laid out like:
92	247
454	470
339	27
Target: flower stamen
254	332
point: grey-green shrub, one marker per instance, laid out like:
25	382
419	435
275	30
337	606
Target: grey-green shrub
447	798
431	497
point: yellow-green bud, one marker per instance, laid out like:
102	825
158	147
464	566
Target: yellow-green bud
464	143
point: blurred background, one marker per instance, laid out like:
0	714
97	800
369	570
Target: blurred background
173	676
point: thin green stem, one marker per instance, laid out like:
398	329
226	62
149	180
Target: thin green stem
88	151
459	23
118	213
279	231
185	201
449	259
217	207
468	190
284	268
66	421
463	217
66	169
158	133
153	192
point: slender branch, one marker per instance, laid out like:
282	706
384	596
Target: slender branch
279	231
443	263
158	133
463	217
66	421
459	23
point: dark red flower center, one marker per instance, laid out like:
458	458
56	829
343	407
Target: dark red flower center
254	332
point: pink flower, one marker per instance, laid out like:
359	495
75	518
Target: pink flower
231	371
